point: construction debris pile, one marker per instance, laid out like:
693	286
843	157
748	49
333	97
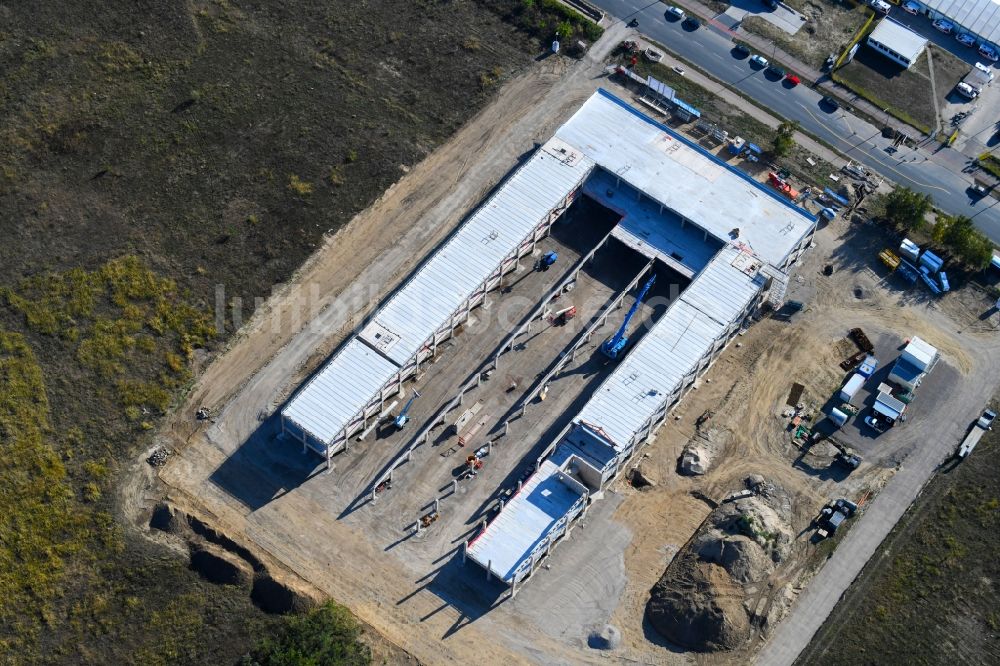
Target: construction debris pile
706	444
708	598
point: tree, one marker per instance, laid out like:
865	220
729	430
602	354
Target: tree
784	138
327	636
905	207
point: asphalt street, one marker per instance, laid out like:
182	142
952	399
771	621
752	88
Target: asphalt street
930	169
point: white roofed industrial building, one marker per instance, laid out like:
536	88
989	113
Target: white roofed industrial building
760	235
897	42
608	142
980	18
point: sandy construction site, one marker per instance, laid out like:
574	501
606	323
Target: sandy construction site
327	531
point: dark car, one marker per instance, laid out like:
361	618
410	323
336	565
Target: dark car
830	103
741	50
692	23
776	70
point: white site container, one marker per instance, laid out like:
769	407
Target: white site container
852	387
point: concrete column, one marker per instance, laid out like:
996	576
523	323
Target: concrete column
501	506
454	486
461	396
373	495
465	550
437	506
506	428
519	484
489	565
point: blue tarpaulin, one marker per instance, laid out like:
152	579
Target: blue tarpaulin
693	112
754	148
836	197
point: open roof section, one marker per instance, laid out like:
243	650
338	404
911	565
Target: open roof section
686	178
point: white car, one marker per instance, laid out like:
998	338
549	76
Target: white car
652	55
965	39
989	52
965	90
911	7
758	60
880	6
675	13
944	26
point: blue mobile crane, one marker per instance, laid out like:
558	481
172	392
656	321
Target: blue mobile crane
404	415
614	345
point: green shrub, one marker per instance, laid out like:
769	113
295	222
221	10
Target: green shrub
327	636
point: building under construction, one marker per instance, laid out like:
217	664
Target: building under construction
678	206
734	238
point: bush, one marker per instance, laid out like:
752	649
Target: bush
327	636
961	235
907	208
784	139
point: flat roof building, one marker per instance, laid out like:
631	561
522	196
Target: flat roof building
979	18
606	142
897	42
750	236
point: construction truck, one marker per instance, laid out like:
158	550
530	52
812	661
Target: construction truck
982	424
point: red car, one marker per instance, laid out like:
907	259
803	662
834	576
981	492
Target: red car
793	79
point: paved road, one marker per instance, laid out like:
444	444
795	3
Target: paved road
935	172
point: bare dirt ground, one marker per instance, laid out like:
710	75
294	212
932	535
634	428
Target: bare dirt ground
603	573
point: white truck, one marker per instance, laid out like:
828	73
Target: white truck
982	424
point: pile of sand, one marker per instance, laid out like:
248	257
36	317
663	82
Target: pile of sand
698	603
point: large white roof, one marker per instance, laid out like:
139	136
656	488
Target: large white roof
980	17
542	502
335	394
675	172
459	268
671	350
899	38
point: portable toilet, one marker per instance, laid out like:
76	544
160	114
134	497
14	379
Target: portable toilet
852	387
943	277
867	367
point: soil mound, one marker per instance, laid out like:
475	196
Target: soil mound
698	603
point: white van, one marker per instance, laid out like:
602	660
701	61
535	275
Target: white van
880	6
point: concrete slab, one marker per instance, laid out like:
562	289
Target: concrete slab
783	17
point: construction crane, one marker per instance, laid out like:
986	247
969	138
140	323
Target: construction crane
404	415
614	345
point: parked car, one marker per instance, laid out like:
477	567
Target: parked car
793	79
675	13
965	39
880	6
985	70
989	52
965	90
692	23
830	103
758	60
776	70
741	50
652	54
944	26
911	7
